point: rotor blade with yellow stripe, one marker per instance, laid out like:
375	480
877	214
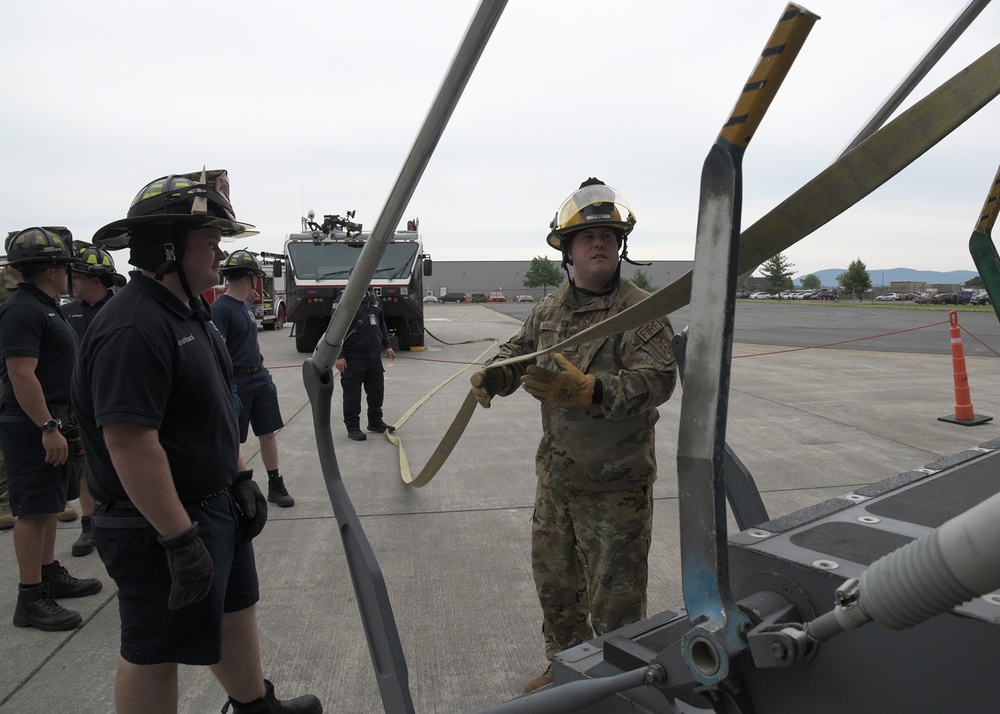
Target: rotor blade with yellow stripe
780	52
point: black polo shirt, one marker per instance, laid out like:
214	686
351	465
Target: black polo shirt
31	325
79	314
147	359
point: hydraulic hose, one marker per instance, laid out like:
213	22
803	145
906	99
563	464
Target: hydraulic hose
947	567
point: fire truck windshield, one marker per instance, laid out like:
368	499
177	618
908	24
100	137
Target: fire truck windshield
333	260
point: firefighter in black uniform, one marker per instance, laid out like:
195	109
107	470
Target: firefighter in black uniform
360	365
94	280
39	351
173	520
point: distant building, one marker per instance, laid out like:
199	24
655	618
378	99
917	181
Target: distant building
907	286
507	276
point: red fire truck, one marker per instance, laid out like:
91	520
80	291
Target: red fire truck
269	304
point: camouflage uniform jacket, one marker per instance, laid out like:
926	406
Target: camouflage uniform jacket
607	446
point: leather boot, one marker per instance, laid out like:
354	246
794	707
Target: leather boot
542	680
36	608
269	704
84	545
62	584
354	433
380	427
68	514
277	493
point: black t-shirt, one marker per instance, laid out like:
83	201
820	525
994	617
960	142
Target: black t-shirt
238	326
79	314
31	325
148	360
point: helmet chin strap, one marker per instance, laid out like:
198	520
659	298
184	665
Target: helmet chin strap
197	304
625	255
171	264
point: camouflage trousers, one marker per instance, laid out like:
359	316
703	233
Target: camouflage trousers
589	554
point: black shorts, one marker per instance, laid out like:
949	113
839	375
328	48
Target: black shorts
33	486
151	633
258	403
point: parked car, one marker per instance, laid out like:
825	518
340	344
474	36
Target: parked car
455	297
981	298
431	298
478	297
951	299
922	298
496	297
887	297
525	298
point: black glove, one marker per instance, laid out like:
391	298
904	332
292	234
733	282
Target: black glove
75	465
190	567
251	503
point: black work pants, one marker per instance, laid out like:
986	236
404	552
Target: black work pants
364	369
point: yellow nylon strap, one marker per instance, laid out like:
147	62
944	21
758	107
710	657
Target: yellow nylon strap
831	192
451	436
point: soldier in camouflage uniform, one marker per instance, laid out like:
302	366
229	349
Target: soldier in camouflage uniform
596	462
8	284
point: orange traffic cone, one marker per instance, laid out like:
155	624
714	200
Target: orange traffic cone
964	414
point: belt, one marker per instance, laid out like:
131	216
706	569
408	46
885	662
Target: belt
133	521
119	522
246	370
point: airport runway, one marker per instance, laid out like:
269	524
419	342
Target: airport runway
810	424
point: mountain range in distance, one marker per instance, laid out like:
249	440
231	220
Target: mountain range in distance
828	277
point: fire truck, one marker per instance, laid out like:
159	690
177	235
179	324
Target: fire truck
318	261
269	303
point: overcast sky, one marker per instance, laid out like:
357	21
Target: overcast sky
315	105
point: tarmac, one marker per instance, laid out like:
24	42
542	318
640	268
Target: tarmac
809	425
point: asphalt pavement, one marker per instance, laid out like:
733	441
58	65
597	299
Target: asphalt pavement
810	424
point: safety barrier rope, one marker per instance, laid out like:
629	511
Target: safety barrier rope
862	339
468	407
842	342
980	341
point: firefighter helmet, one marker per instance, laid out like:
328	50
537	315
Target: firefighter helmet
241	263
177	199
98	263
37	245
593	204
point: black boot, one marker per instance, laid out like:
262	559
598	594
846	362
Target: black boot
62	584
380	427
355	433
268	704
36	608
277	493
84	545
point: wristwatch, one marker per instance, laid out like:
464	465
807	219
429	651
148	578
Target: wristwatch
51	424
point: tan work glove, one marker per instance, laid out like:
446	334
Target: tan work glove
567	386
485	384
